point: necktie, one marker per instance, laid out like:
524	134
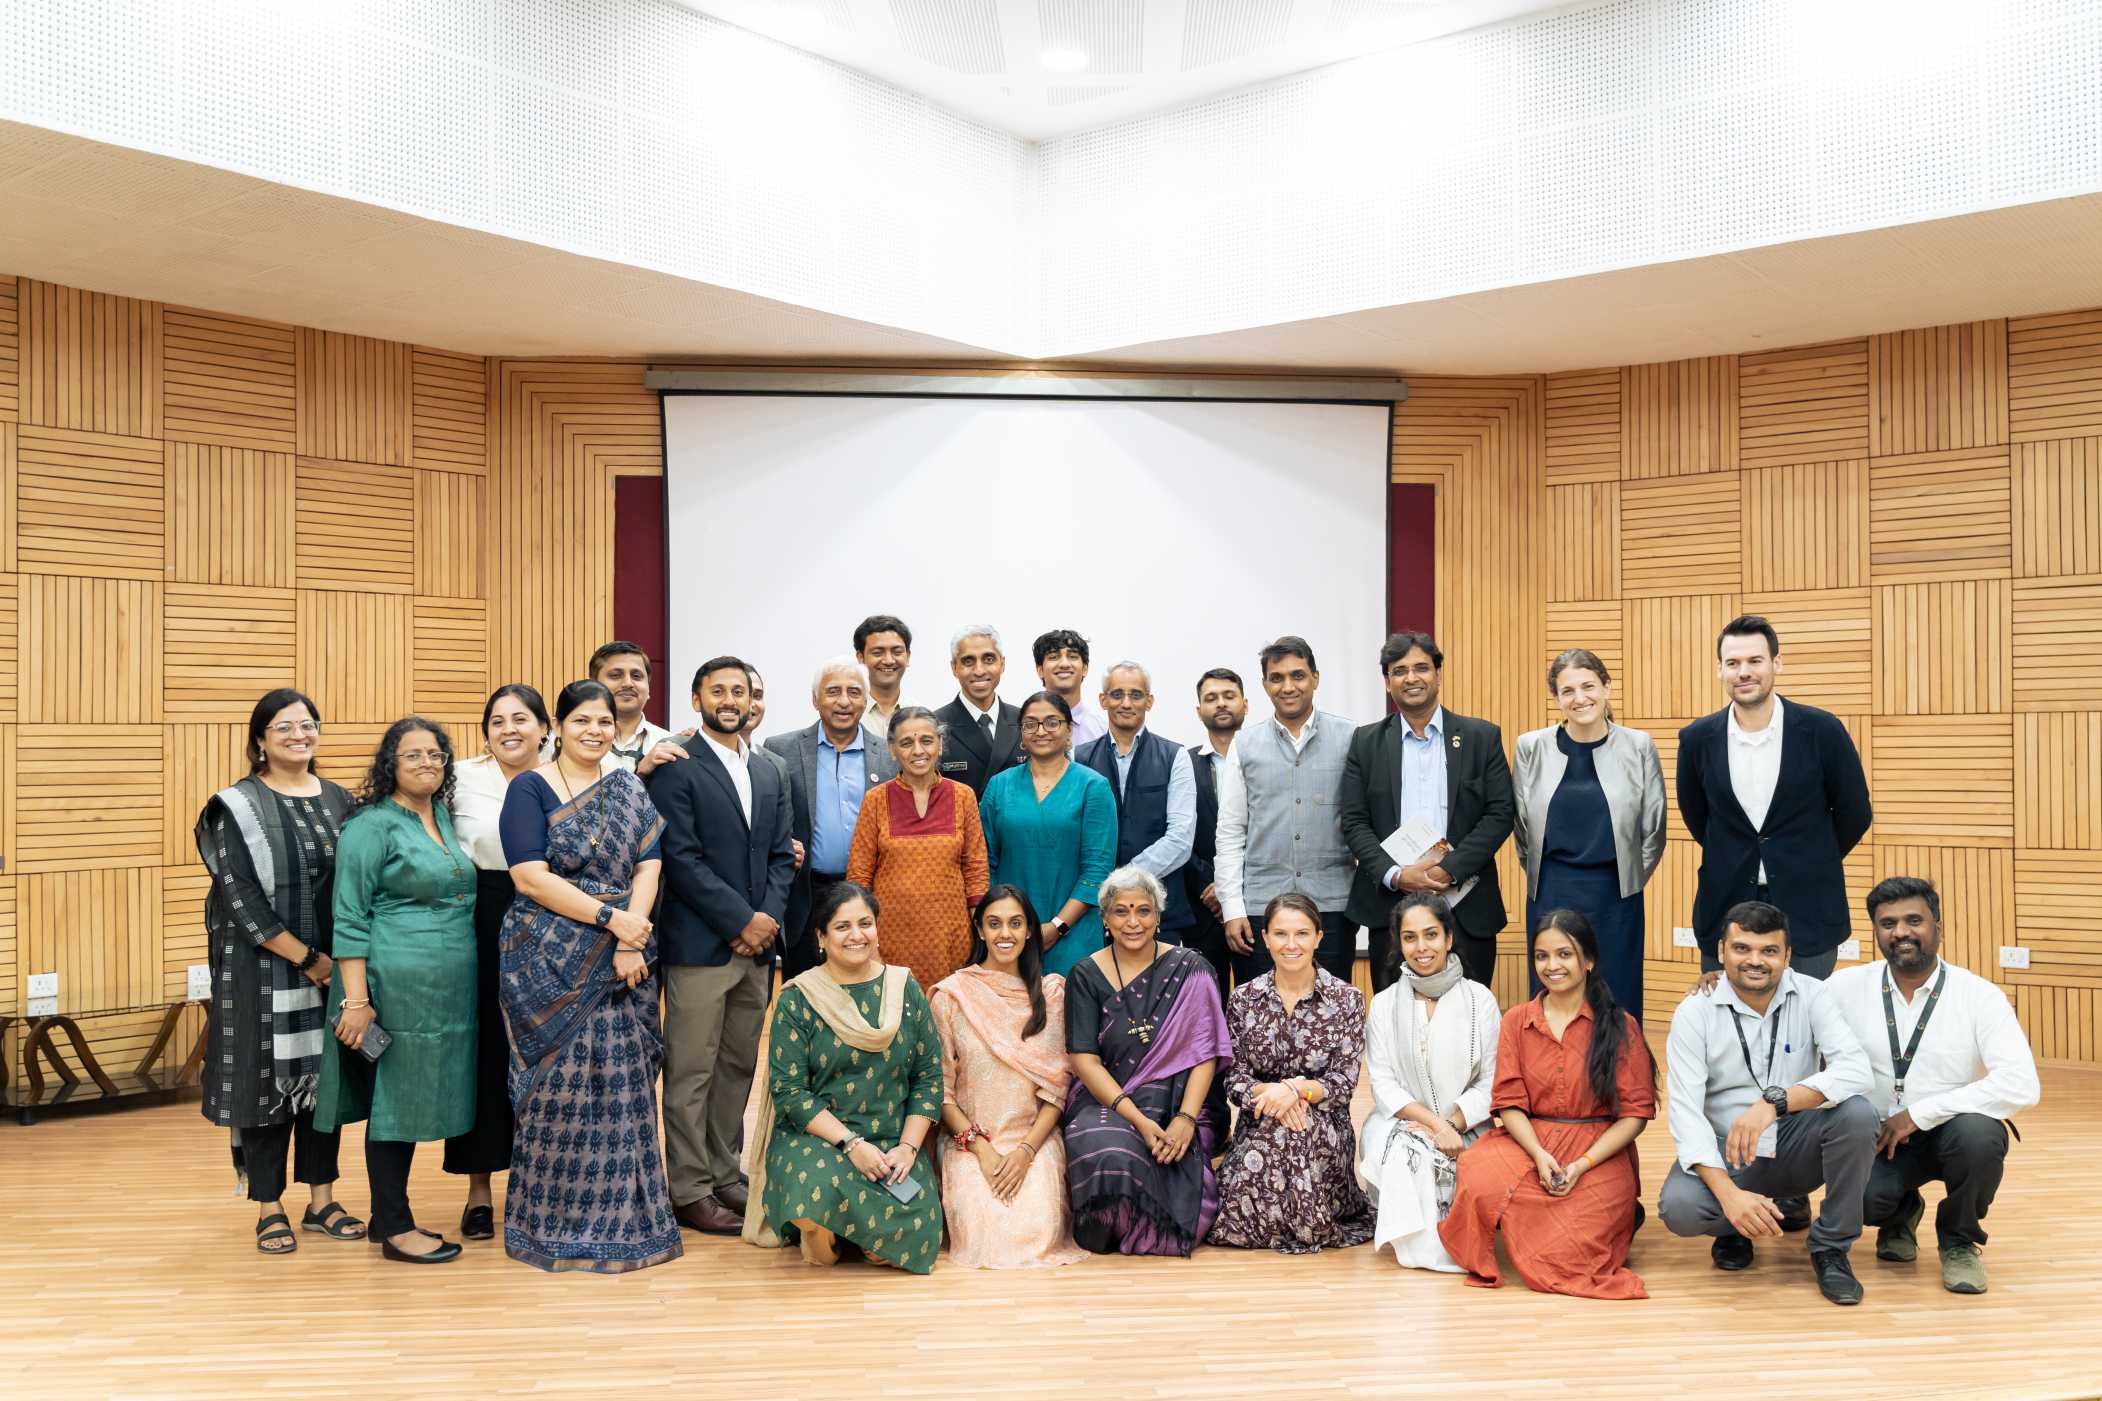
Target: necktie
985	723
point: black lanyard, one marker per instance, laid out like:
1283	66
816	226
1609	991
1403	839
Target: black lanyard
1773	1039
1901	1061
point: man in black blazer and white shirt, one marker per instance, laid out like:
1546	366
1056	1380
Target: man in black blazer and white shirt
1464	792
982	734
1776	797
727	865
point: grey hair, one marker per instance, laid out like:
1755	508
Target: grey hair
842	663
1144	674
971	630
1132	878
917	712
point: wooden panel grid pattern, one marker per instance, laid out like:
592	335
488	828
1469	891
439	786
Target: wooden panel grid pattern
1976	885
2057	642
1584	522
1938	388
448	534
88	504
10	978
2058	779
1679	418
2057	894
1941	516
1826	650
1809	404
90	361
356	526
10	647
1806	526
1596	627
354	398
452	658
1944	649
10	349
1945	780
62	823
99	930
228	380
221	650
2058	507
2054	376
1671	653
355	649
230	516
183	940
90	651
451	411
202	759
1583	427
10	440
1680	535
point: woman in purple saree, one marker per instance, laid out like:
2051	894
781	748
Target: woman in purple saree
1146	1035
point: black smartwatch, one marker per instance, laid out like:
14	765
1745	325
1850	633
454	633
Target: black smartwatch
605	916
1777	1096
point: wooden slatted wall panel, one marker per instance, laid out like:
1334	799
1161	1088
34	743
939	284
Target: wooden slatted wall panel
356	526
355	648
10	647
55	829
1809	404
451	411
2058	779
230	517
2054	376
1941	515
10	349
354	398
221	649
1938	388
1679	418
1678	530
1585	518
448	518
2058	643
88	503
1806	526
228	380
1826	654
99	930
90	361
1583	409
1944	649
90	651
2058	507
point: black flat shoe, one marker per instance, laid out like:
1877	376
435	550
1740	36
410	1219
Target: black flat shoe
1835	1277
478	1222
447	1250
1731	1252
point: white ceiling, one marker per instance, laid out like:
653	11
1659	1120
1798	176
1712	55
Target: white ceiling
113	219
985	58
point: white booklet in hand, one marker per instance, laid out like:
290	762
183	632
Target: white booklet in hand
1412	841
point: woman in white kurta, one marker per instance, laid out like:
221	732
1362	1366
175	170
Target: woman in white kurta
1431	1050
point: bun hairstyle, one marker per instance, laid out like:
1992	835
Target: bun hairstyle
1030	964
526	695
577	693
1609	1024
841	895
1584	659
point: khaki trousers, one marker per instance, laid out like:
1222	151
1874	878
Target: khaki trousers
712	1021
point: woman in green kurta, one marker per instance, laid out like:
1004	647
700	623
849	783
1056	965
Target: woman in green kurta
1051	828
405	961
854	1085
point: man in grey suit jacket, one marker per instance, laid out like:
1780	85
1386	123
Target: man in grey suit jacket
831	766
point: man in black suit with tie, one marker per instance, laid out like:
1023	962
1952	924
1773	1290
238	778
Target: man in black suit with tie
1776	797
727	866
1222	707
1449	771
982	733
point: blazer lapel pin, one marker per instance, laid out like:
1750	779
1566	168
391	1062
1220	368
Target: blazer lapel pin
1456	741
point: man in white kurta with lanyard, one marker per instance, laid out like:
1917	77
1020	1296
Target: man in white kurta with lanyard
1952	1067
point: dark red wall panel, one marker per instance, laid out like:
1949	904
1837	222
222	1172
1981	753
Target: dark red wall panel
638	580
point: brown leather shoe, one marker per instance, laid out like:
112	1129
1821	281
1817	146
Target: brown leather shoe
709	1217
733	1195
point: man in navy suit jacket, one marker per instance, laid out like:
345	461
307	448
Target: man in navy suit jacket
1155	787
728	862
1776	797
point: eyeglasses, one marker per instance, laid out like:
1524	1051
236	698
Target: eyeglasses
1047	724
1119	697
284	728
415	757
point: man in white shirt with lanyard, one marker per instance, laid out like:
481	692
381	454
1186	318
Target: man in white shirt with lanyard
1952	1067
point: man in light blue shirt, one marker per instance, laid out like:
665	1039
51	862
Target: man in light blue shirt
1156	788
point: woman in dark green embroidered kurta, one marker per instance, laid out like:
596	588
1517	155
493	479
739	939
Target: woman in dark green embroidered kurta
811	1070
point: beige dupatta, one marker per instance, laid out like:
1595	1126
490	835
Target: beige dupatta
834	1006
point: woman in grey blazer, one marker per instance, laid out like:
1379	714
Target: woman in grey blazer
1590	818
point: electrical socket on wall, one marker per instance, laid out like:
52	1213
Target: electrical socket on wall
1850	951
199	986
1683	939
42	992
2011	957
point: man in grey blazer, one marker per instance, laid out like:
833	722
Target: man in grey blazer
831	766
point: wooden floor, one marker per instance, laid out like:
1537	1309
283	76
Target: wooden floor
127	1269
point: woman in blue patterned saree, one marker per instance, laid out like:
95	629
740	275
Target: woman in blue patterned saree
587	1189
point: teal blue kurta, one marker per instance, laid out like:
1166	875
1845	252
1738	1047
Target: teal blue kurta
407	908
1056	850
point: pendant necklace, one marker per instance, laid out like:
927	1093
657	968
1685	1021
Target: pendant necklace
1143	1028
569	797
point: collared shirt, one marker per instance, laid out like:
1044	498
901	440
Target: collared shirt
1230	840
1167	853
1755	768
636	749
1711	1084
1423	778
1973	1058
878	719
1088	723
738	764
970	708
835	803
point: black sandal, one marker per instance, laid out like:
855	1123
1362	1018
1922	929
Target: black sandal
334	1222
275	1228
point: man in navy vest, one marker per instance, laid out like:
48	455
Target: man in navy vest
1155	786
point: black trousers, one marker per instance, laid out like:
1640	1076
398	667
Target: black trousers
799	951
263	1156
1208	937
387	1170
1967	1154
1338	951
487	1146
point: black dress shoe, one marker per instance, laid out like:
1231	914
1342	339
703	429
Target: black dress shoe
1731	1252
734	1195
1835	1277
447	1250
478	1222
709	1217
1795	1214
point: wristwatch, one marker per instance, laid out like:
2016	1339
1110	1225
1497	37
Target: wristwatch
605	916
1777	1096
1058	922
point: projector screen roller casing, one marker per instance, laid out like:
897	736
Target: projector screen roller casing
1180	534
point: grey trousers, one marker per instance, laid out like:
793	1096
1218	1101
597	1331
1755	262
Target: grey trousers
1832	1148
712	1020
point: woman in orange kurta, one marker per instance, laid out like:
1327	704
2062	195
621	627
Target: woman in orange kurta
1560	1176
918	845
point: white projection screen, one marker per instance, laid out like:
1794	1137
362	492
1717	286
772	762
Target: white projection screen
1182	534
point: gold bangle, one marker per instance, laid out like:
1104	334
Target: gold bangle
354	1004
